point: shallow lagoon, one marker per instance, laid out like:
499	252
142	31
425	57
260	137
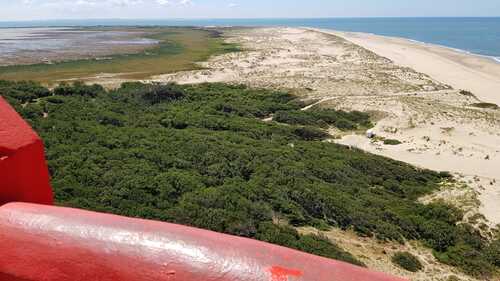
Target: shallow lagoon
47	45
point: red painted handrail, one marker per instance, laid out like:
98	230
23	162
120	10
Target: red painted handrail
46	243
59	244
23	171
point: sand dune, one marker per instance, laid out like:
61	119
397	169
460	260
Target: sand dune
480	75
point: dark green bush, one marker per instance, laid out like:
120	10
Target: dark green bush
310	133
486	105
32	111
55	100
493	253
289	237
23	91
391	142
78	89
324	118
157	93
467	93
471	260
110	118
407	261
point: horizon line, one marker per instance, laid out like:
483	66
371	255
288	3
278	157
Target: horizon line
249	18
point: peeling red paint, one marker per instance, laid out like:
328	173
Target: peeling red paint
281	274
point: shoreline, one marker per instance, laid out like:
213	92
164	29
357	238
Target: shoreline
423	43
463	51
483	74
460	69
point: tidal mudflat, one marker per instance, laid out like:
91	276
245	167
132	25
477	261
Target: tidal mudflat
51	45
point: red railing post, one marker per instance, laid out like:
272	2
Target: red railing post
24	175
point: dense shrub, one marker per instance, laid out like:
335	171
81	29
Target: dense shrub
407	261
55	99
324	118
289	237
157	93
310	133
493	253
78	89
391	142
22	92
467	93
486	105
467	258
200	155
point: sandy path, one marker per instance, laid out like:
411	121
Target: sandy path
480	75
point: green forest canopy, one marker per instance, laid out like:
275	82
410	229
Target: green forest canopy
201	155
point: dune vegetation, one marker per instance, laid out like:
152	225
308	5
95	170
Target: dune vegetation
407	261
201	155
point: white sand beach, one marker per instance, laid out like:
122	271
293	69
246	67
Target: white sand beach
480	75
474	73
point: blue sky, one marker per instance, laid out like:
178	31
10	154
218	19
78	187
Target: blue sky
69	9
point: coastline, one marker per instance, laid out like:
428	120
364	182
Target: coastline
461	70
457	68
463	51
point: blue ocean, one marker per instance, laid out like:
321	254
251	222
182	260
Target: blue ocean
475	35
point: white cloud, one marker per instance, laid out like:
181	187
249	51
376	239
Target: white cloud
186	2
124	3
232	5
163	2
86	3
121	3
82	9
